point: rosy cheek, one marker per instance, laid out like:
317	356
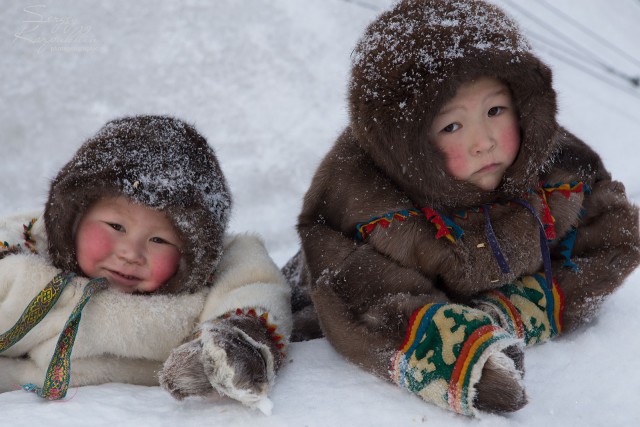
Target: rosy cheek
93	244
165	266
511	144
456	163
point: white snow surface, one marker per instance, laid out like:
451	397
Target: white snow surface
265	82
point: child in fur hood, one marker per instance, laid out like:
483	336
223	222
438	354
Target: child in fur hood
141	209
454	222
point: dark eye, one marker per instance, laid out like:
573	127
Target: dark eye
494	111
116	227
160	240
451	128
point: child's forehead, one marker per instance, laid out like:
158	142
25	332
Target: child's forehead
482	80
120	203
485	87
125	206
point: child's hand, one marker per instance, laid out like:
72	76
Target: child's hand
233	361
183	373
500	388
228	356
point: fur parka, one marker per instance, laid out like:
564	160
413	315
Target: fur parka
371	256
157	161
219	324
125	337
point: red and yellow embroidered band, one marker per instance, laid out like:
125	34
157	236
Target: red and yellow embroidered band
272	329
445	227
445	348
528	308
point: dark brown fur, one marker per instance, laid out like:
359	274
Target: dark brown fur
157	161
365	291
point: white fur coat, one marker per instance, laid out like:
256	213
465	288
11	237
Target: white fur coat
124	337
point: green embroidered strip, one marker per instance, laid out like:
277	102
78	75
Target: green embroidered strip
445	348
528	309
56	382
36	310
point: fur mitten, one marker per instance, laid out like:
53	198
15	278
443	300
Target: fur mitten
528	308
236	356
449	349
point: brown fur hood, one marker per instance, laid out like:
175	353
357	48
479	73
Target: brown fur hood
370	259
411	60
157	161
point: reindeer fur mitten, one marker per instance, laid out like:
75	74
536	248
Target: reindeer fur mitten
528	308
236	356
456	357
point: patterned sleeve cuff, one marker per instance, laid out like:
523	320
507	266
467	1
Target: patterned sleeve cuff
445	349
279	340
528	308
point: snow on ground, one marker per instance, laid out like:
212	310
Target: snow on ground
265	83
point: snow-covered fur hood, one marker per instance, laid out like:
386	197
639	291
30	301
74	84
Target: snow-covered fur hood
157	161
411	60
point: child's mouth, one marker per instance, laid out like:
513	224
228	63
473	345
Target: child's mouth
125	277
488	168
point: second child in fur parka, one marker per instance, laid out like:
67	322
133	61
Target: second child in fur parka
434	275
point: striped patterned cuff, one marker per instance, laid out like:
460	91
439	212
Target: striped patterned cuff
528	308
278	339
444	351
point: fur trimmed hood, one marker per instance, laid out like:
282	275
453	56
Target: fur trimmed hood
411	61
159	162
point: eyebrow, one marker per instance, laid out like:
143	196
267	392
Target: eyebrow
498	92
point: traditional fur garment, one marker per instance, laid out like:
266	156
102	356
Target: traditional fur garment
380	202
157	161
227	297
125	337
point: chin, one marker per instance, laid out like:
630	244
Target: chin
126	289
487	187
489	184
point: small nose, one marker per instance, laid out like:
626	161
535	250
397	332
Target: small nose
483	141
130	251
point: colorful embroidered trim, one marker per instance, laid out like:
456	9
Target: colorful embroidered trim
29	242
365	228
36	310
565	189
547	219
514	323
529	308
445	226
442	345
6	249
566	248
56	381
278	339
542	191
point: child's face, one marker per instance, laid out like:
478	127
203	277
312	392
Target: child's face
136	248
478	133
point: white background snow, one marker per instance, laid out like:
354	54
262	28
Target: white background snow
265	82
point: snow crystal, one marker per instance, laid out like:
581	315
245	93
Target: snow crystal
587	377
158	167
431	37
